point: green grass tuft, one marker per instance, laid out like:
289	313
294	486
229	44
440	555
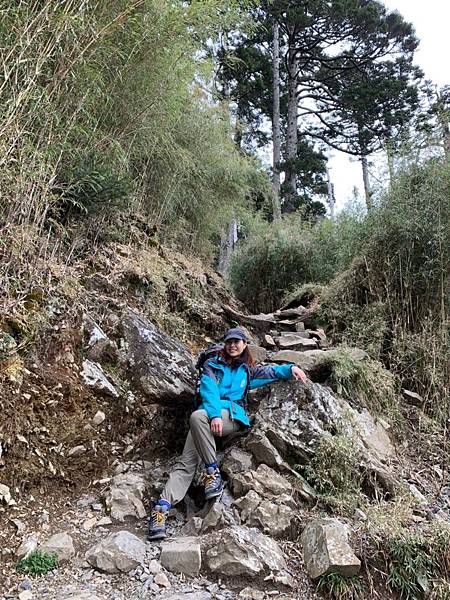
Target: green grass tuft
337	587
37	563
334	472
365	383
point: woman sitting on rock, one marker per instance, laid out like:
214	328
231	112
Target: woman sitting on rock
224	383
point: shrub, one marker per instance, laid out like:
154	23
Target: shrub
38	563
393	299
334	471
362	382
89	187
422	359
271	261
414	559
275	259
337	587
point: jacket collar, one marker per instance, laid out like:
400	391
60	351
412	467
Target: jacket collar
220	363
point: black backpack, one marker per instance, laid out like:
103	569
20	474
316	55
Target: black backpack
209	352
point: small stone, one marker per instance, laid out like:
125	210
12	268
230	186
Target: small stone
412	397
192	527
86	501
296	342
154	567
5	494
26	548
162	580
119	552
236	461
258	353
25	585
251	594
240	551
98	418
77	451
95	378
89	523
104	521
19	524
124	498
268	341
26	595
360	515
417	494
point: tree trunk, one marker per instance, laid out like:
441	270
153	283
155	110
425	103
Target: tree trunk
446	136
276	129
390	162
367	190
444	121
238	128
227	244
331	201
292	124
228	236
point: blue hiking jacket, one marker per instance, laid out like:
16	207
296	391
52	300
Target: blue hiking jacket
223	387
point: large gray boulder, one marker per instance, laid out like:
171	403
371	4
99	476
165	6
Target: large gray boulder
311	360
240	551
160	367
326	549
120	552
294	417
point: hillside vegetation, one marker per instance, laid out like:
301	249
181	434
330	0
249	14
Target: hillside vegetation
382	279
105	114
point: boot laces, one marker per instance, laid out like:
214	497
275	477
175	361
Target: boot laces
158	517
209	478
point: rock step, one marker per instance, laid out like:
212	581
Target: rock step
326	549
296	342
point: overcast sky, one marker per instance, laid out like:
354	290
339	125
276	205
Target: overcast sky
431	20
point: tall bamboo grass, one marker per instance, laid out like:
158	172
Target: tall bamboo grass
109	87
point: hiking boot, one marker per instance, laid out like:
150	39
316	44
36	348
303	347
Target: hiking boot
157	523
212	480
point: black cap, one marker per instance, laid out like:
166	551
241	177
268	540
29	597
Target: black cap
235	334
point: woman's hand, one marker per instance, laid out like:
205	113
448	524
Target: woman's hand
216	426
298	374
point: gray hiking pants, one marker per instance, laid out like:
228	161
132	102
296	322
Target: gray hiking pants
200	447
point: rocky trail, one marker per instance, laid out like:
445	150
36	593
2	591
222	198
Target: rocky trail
270	535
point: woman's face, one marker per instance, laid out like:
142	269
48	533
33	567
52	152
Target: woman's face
235	347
